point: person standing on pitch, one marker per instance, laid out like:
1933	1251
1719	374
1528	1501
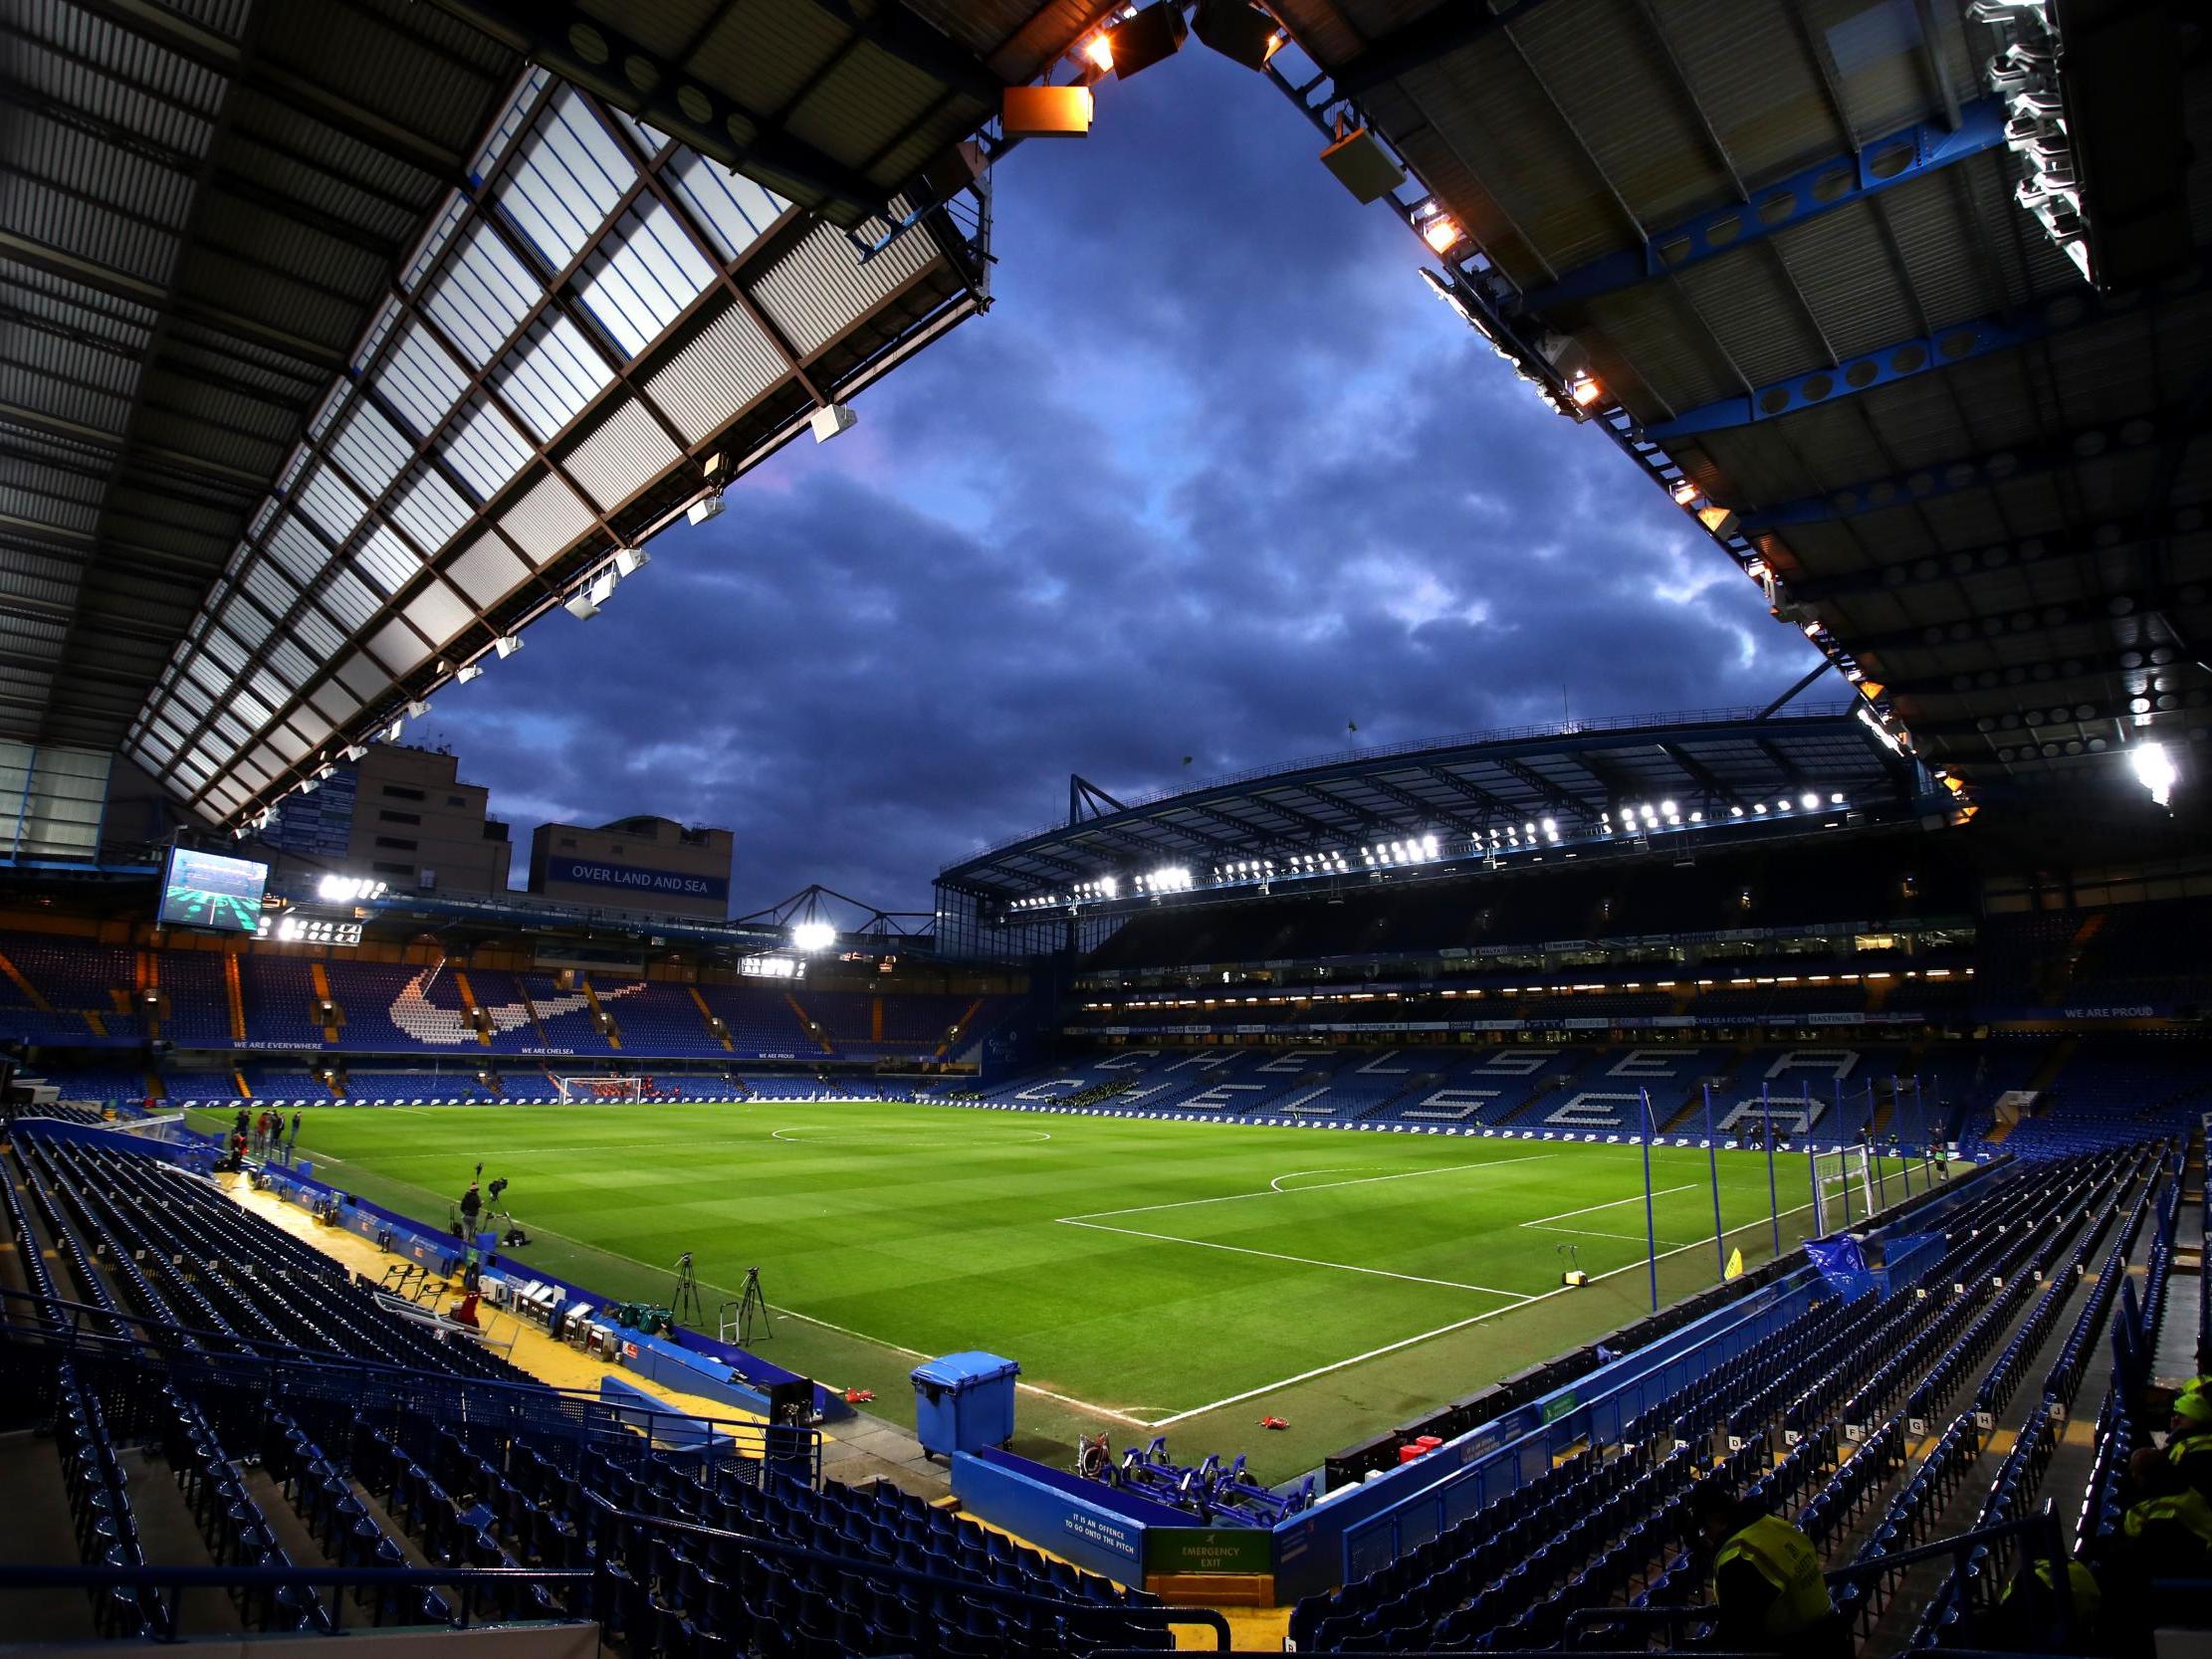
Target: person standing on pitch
291	1145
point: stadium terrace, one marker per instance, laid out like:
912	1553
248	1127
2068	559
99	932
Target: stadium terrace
1724	1181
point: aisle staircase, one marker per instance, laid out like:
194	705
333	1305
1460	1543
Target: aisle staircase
716	1027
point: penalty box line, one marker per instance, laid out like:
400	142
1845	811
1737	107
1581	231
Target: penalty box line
1302	1261
1425	1336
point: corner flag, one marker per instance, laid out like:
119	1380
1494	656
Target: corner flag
1735	1264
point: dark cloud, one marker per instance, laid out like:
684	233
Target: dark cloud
1214	476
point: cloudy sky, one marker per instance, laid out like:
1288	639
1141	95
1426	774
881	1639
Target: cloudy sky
1216	477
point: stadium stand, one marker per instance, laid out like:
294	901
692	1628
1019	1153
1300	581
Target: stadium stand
1857	1419
302	1421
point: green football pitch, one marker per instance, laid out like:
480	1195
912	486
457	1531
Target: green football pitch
1151	1275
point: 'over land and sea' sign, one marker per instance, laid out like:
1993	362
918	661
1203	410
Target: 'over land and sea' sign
661	884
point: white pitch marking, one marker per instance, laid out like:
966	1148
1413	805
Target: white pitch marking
917	1353
1303	1261
1423	1337
1281	1193
1334	1169
1591	1232
805	1134
1541	1220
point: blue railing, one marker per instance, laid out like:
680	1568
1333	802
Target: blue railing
188	1356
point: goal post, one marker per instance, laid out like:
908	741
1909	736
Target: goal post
1842	1188
584	1088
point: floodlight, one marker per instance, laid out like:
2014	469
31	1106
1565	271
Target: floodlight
1441	231
394	731
834	418
354	752
1363	166
1735	812
1684	492
1717	519
581	606
416	709
468	672
2153	768
814	935
1098	52
1023	112
506	645
1136	43
1837	799
1783	803
1240	30
706	506
629	561
1667	807
1585	391
1759	807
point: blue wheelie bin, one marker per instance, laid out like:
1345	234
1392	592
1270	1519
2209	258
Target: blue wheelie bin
964	1403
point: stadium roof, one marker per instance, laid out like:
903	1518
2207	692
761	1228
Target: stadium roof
336	343
1718	764
1785	241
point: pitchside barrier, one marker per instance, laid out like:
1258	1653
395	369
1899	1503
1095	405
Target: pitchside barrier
1358	1529
689	1360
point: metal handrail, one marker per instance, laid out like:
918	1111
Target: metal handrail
73	1336
156	1576
1203	1617
2042	1526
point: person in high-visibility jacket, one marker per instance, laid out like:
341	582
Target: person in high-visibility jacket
1767	1579
2021	1622
2189	1439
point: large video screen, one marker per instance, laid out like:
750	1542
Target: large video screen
207	890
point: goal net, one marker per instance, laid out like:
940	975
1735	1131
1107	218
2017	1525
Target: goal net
577	1088
1842	1188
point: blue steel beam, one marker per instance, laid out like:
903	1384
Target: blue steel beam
1973	472
2075	308
1914	153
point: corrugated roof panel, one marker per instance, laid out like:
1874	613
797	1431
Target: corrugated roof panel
41	390
547	521
371	449
622	456
640	277
734	211
419	378
567	176
550	376
817	288
429	510
326	500
295	547
480	296
486	449
1636	120
727	365
348	598
487	570
34	209
384	561
1876	55
438	612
